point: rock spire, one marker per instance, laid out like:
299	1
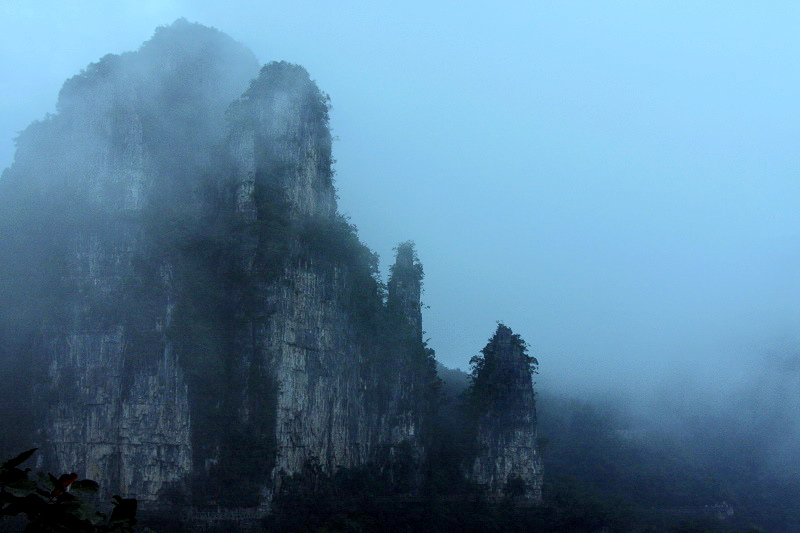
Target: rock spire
508	463
405	288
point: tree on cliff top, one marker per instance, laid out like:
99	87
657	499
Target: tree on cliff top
407	266
502	373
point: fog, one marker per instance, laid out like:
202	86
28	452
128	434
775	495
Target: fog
616	181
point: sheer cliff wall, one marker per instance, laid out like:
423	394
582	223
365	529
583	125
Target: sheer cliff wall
186	318
207	318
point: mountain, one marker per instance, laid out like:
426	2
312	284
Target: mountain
186	317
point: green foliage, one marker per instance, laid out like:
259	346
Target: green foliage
282	77
363	500
501	375
661	482
277	82
335	242
359	500
407	267
488	362
51	504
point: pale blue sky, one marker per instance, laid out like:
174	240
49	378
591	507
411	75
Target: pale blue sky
619	182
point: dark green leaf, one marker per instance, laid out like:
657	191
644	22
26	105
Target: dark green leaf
43	479
18	460
65	497
85	486
21	488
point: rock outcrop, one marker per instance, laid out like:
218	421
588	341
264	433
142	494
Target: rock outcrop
128	129
188	318
507	463
405	287
213	325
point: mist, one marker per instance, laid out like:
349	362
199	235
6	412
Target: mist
617	182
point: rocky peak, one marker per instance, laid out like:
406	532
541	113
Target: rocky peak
139	125
502	376
281	143
502	399
189	355
506	345
405	287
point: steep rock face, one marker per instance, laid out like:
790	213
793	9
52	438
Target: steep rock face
218	327
117	406
508	462
316	360
120	410
281	141
405	289
318	325
405	307
128	432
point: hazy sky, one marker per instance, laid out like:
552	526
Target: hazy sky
618	182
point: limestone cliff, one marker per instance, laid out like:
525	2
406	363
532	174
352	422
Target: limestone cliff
507	462
405	288
128	129
201	323
187	318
